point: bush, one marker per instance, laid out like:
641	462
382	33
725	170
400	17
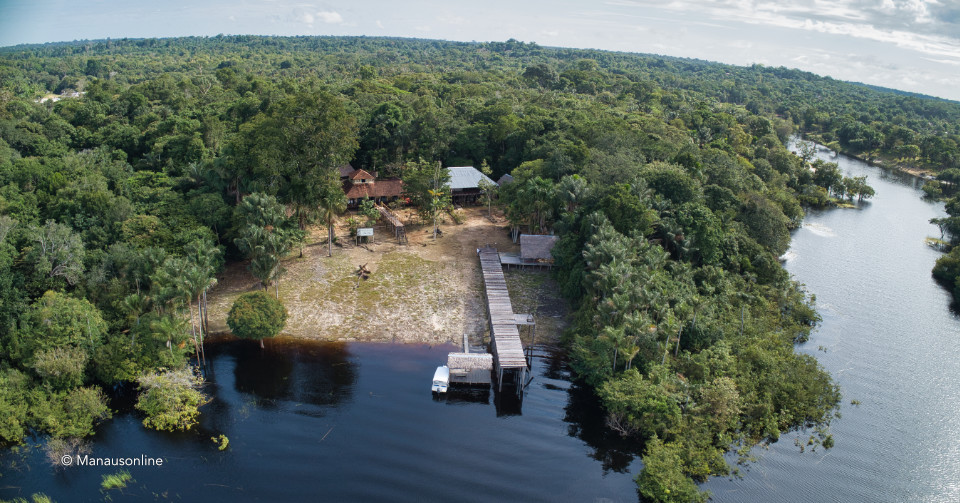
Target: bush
256	315
73	413
171	400
353	223
663	479
61	367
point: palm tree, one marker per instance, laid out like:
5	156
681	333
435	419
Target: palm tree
173	290
206	256
572	190
617	338
170	328
197	280
332	203
135	305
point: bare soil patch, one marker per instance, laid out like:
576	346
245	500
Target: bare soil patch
427	291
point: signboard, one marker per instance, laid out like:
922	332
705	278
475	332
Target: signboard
364	231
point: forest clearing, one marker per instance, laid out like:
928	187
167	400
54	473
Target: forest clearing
426	291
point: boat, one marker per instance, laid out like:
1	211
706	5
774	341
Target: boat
441	379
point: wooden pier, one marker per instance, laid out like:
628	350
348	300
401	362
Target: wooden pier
508	354
392	219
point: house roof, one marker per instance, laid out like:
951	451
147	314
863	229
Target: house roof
505	179
361	174
346	170
380	188
466	177
536	247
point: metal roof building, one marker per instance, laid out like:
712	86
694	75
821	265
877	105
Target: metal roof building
466	177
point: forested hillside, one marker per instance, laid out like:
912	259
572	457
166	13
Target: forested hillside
667	181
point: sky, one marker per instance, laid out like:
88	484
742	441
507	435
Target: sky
912	45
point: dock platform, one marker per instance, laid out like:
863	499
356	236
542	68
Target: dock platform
505	344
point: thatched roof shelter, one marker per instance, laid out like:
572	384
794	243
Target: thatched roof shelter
534	247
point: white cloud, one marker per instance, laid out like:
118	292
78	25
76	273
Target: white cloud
448	18
953	62
379	24
330	17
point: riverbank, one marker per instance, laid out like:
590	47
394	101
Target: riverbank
878	162
427	291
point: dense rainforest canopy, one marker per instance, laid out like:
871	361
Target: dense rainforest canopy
667	181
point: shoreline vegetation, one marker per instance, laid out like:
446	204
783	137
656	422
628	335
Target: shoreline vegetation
175	174
881	162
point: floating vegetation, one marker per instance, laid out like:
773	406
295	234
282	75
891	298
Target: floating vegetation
937	244
117	480
222	442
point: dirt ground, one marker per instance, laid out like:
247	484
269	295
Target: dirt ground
426	291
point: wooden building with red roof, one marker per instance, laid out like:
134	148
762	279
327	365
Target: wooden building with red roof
360	184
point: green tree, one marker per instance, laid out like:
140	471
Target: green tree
57	320
427	186
256	315
332	202
171	399
369	212
663	479
266	236
57	252
637	404
766	223
72	413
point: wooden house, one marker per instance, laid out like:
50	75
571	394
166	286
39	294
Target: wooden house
360	185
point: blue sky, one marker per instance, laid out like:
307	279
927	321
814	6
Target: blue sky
912	45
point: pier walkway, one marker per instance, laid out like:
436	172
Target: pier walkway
505	342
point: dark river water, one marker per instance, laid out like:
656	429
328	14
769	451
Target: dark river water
354	422
891	341
357	422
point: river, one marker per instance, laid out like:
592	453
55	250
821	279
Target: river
356	422
353	422
890	340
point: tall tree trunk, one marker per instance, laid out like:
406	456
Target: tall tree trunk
203	354
329	238
193	328
206	320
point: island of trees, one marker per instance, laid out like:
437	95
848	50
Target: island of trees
667	181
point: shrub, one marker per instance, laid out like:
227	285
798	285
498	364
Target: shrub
171	399
256	315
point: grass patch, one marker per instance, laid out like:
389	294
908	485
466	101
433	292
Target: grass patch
117	480
401	287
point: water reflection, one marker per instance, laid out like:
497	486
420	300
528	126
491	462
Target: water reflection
355	422
614	452
304	372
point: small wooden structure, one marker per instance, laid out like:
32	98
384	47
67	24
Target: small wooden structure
470	368
392	219
505	341
537	249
